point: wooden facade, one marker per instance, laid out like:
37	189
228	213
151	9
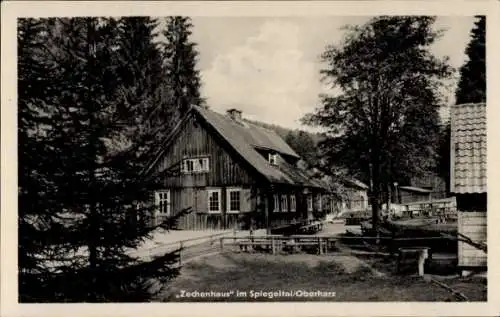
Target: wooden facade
195	140
406	195
227	172
356	199
473	225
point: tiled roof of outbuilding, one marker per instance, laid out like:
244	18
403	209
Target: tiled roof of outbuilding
468	148
415	189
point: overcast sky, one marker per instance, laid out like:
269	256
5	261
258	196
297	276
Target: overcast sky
269	67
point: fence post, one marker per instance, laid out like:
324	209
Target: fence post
180	252
222	244
423	255
273	245
320	245
391	245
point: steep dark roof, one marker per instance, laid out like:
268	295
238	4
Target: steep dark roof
254	135
300	176
245	138
468	148
356	183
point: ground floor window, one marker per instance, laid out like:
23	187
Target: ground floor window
233	200
276	206
309	203
214	201
162	202
293	203
348	204
362	201
284	203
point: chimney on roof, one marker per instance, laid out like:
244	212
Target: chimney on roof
234	114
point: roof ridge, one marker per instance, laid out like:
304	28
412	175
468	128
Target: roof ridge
252	123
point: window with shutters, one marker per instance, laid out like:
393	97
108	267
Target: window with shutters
162	202
195	165
214	201
233	200
284	203
293	203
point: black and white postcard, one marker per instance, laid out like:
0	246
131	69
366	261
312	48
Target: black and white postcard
285	158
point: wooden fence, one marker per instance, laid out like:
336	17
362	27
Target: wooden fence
323	244
435	207
277	243
312	244
188	249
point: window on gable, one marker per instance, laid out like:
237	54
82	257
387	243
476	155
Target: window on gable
214	201
293	203
162	202
273	159
233	200
195	165
284	203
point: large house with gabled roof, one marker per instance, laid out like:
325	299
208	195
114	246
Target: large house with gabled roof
233	173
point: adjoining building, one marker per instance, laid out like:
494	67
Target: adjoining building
469	179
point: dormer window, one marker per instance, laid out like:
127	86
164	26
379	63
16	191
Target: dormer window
273	159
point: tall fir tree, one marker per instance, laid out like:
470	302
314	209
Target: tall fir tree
37	79
383	126
90	206
149	103
180	59
302	143
472	82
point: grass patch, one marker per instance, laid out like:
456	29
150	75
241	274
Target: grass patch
475	288
245	273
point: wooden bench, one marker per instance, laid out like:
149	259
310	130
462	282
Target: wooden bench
244	245
312	228
410	254
323	244
292	245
